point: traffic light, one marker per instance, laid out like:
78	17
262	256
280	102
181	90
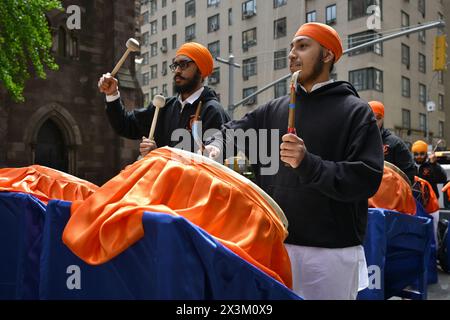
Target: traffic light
440	53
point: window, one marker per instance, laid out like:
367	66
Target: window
164	22
145	38
174	18
154	49
163	3
280	89
145	17
154	71
212	3
406	119
279	28
279	3
440	77
146	99
249	67
164	45
422	122
145	59
174	41
189	8
248	91
165	92
422	36
422	93
367	79
405	55
230	16
213	23
441	102
358	8
331	14
145	79
311	16
280	59
422	63
153	91
421	7
248	39
441	129
357	39
248	9
214	48
154	27
230	44
406	87
164	68
190	32
153	7
214	78
405	20
62	42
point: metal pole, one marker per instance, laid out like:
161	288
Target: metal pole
231	84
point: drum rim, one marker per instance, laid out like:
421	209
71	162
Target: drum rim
398	170
269	199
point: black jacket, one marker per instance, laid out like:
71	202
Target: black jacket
434	174
397	153
136	123
325	199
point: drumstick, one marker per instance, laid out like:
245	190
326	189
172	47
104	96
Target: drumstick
159	102
291	119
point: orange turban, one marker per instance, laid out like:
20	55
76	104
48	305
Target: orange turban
323	34
419	146
200	55
377	107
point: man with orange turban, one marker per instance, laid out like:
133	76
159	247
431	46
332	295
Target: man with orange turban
395	150
335	163
427	166
191	65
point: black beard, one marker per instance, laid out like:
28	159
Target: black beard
190	86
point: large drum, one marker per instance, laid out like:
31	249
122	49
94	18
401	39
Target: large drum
395	191
225	204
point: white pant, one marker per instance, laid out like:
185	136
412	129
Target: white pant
328	274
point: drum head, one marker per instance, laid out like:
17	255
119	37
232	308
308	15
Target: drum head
397	170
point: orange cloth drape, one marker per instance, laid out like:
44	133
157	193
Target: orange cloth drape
168	181
446	190
394	193
45	183
429	198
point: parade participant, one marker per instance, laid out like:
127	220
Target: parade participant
395	150
335	165
191	65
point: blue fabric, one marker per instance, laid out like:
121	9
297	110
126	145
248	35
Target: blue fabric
174	260
432	265
375	251
21	224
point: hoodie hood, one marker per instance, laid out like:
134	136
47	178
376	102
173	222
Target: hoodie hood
336	88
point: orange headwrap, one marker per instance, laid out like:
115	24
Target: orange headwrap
200	55
377	107
419	146
323	34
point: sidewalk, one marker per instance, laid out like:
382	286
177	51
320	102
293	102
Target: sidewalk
440	290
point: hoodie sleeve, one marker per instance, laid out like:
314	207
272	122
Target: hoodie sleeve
440	176
129	124
357	177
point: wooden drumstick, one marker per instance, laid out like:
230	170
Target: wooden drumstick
291	119
132	46
159	102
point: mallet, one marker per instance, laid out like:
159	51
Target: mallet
159	102
132	46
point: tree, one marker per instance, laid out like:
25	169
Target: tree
25	42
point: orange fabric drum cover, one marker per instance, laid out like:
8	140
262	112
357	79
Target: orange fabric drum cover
394	193
207	194
45	183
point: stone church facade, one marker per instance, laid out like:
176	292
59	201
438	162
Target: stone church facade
62	123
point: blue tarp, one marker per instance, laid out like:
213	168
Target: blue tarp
174	260
399	245
21	223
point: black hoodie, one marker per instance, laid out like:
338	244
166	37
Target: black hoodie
136	123
397	153
325	199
